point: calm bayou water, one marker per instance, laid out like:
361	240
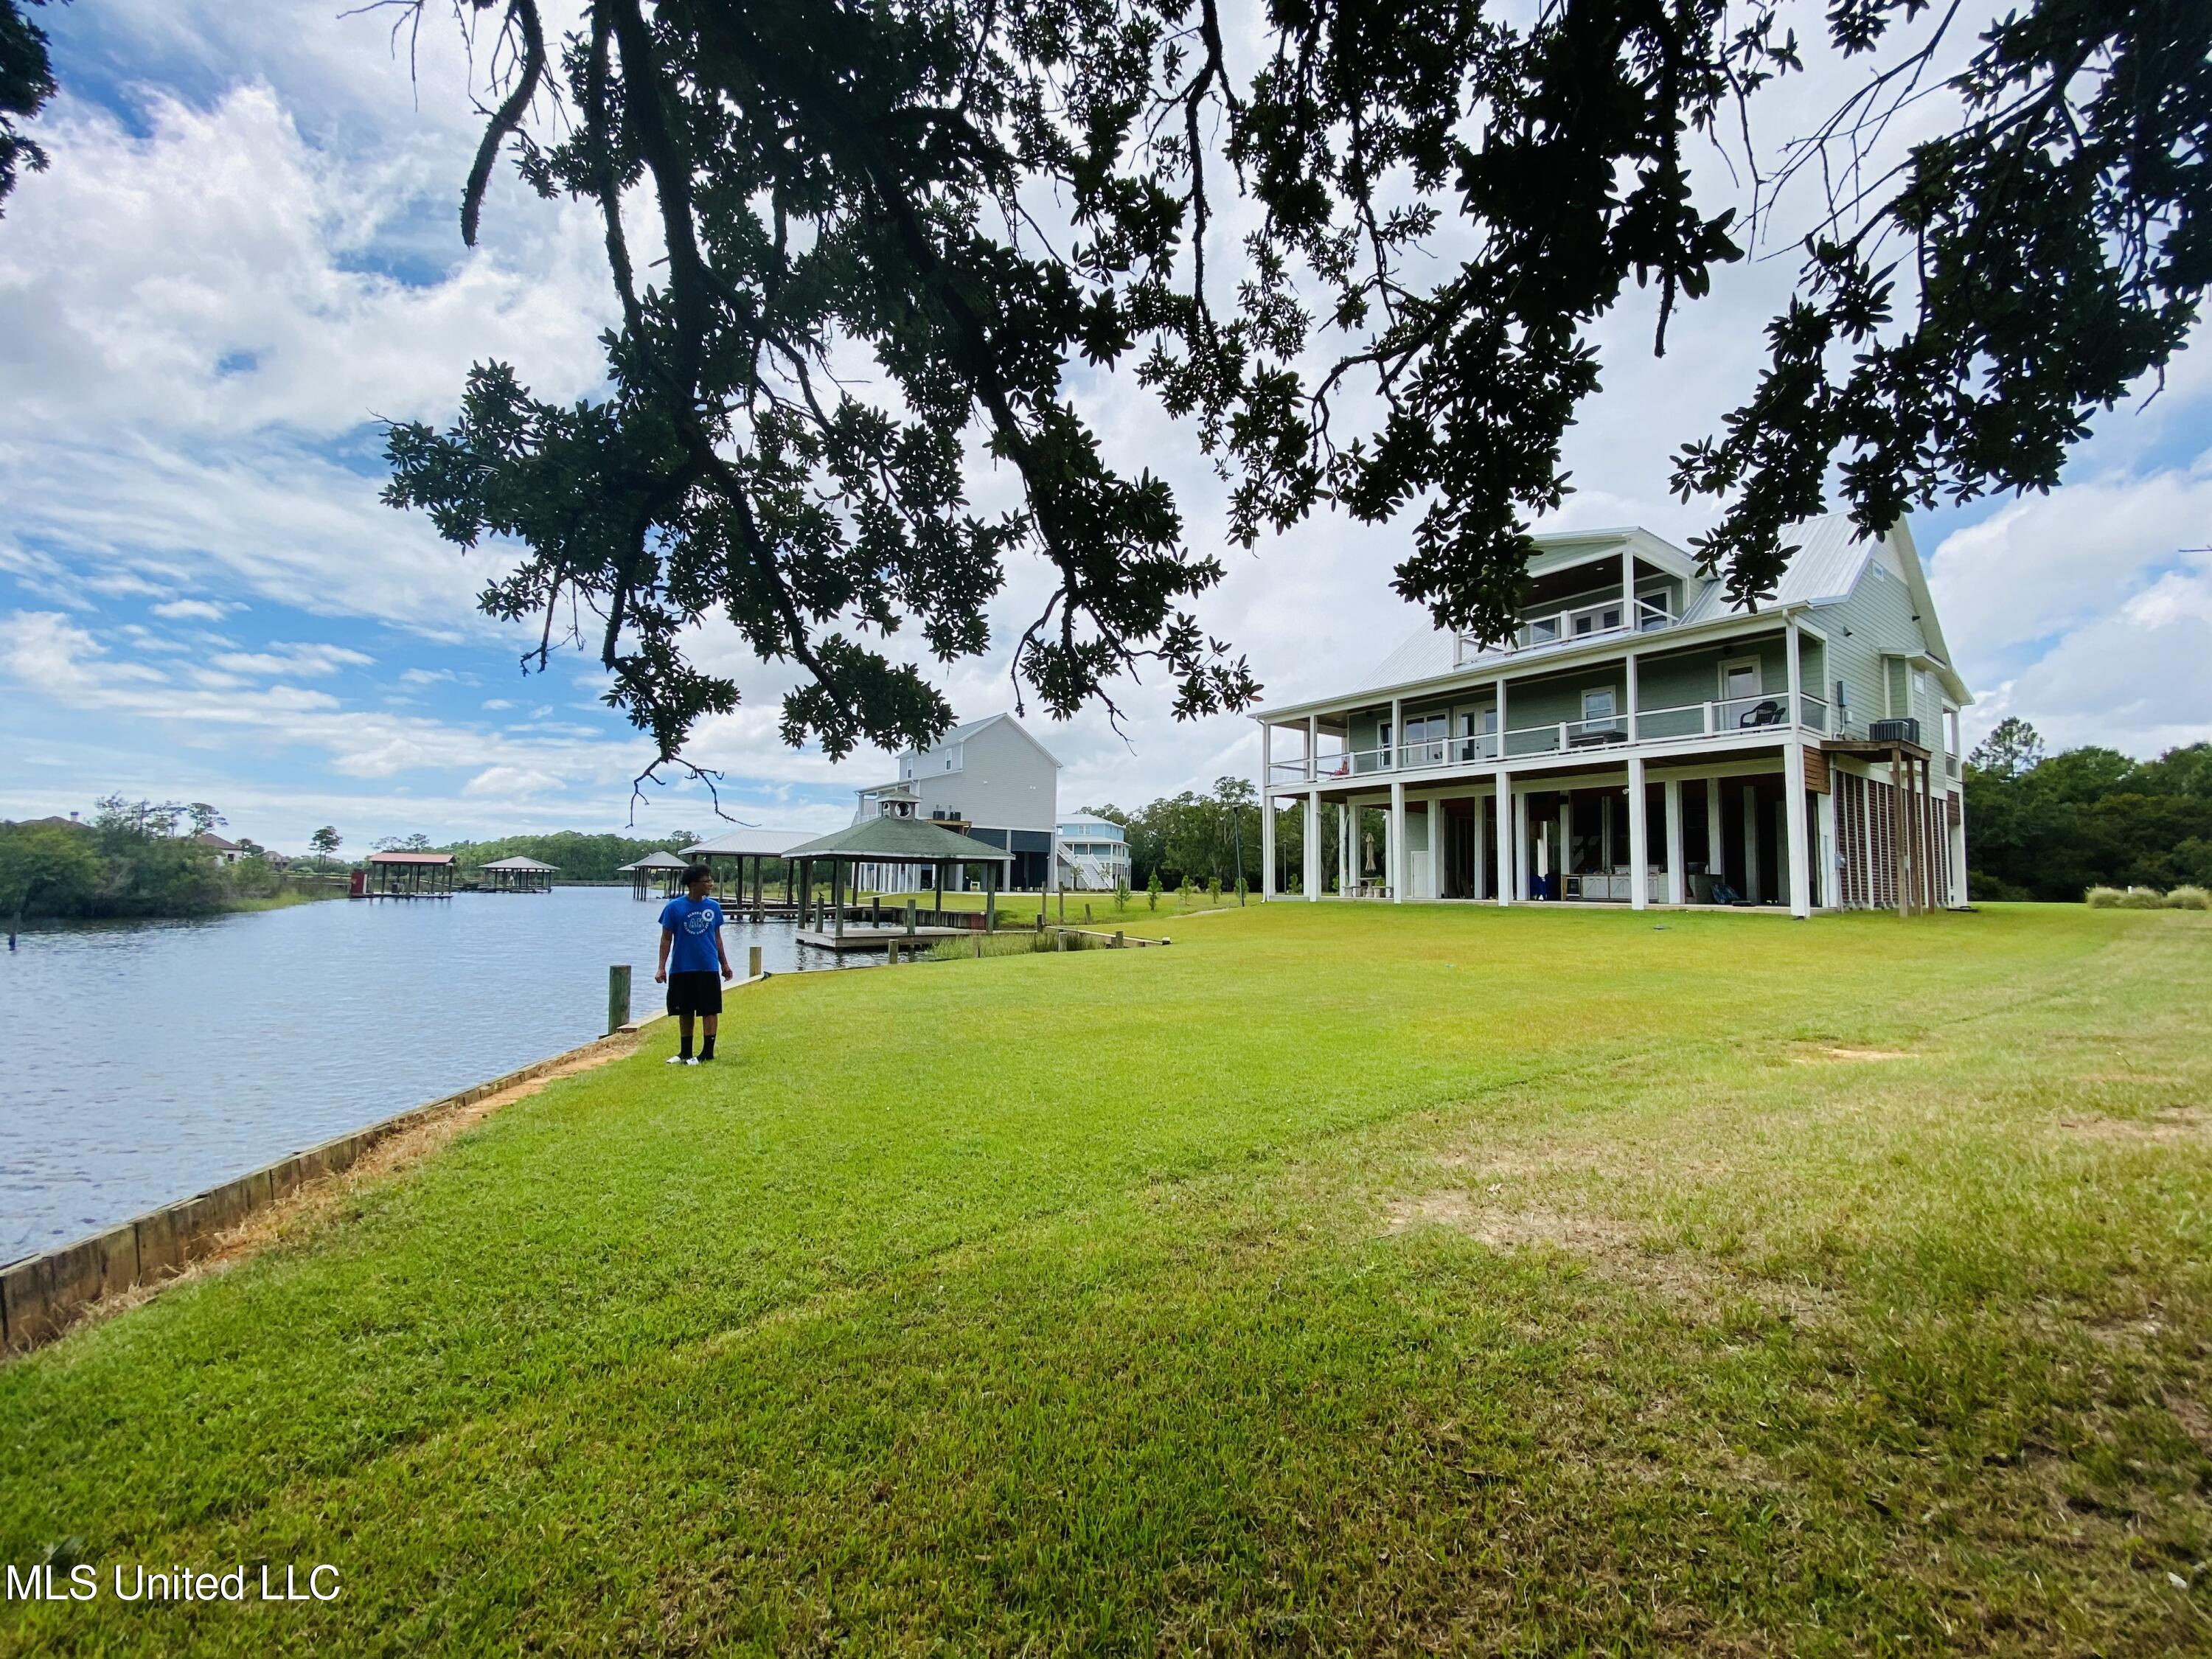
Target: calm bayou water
143	1062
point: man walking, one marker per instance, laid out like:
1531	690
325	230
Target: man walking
690	953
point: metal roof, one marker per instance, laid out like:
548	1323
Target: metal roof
519	863
1831	557
895	841
409	858
749	843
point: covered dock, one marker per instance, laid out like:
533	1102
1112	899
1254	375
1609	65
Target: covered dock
406	875
518	875
909	843
656	875
727	857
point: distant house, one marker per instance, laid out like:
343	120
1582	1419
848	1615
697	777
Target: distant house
54	821
226	851
1641	738
1094	855
988	778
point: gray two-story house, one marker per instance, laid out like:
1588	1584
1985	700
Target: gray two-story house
988	778
1641	741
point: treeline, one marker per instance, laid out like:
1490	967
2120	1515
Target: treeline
576	856
132	859
1198	837
2042	826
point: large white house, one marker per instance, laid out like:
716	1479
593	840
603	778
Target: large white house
988	778
1642	741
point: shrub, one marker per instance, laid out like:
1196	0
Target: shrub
1152	891
1213	889
2103	898
2142	898
2189	898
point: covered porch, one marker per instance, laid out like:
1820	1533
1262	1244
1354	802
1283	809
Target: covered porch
1711	831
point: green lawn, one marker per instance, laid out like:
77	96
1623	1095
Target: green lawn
1338	1279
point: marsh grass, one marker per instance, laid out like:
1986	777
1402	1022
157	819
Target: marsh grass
1392	1279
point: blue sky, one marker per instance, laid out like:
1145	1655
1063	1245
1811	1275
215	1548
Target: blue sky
246	251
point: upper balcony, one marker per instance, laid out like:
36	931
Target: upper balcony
1609	585
1774	713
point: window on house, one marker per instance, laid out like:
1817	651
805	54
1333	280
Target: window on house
1597	705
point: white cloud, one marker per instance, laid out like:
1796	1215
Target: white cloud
197	610
280	661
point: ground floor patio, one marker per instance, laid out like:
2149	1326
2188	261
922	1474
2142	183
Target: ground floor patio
1822	828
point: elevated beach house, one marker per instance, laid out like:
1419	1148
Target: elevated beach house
988	779
1639	740
1094	855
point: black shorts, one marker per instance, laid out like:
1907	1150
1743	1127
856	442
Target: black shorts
694	994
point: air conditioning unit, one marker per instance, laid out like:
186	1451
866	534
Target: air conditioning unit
1905	730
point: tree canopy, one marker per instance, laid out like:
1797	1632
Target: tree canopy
2051	827
851	242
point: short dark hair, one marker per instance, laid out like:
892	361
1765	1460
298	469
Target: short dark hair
696	872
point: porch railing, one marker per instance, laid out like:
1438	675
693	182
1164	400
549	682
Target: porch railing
1748	715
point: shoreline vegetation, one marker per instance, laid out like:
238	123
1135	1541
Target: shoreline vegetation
1351	1273
137	861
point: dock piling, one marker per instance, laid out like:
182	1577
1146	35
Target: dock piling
618	997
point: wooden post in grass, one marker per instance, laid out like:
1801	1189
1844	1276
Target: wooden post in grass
1121	940
618	997
910	917
752	963
979	947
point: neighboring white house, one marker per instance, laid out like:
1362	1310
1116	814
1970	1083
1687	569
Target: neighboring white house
989	779
1641	740
1094	855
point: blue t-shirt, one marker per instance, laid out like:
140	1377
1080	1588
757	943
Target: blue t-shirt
694	924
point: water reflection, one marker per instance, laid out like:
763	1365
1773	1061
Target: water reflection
141	1062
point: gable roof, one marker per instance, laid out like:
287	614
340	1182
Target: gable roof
968	729
409	858
1831	559
519	863
893	840
655	861
209	838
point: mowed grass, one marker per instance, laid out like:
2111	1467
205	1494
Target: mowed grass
1338	1279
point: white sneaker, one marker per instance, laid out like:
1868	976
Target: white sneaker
682	1060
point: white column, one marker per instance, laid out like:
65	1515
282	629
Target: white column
1715	843
1628	588
1313	747
1639	840
1633	701
1503	851
1346	850
1397	735
1521	860
1396	838
1311	842
1958	834
1266	826
1795	682
1792	817
1678	882
1832	871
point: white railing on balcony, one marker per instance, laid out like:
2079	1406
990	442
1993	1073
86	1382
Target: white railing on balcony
1749	714
1569	627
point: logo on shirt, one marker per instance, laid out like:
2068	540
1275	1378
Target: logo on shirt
699	922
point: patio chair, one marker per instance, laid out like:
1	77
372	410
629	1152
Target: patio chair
1769	711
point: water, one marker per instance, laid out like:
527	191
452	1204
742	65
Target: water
143	1062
